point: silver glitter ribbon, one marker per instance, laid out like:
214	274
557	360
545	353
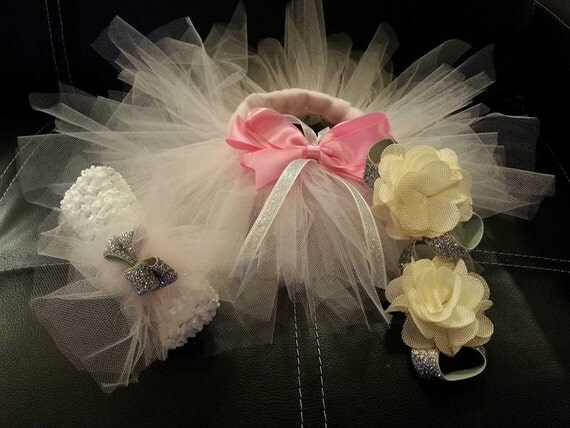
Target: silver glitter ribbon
426	364
374	248
146	276
249	250
258	231
452	245
374	157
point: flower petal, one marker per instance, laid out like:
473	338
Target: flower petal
460	317
394	289
486	327
484	305
450	264
414	219
413	337
442	343
449	157
434	178
458	337
400	304
472	291
443	216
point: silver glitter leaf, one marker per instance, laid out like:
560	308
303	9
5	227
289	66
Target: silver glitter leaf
150	275
120	249
370	173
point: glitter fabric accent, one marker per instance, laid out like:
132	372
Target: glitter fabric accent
426	363
370	173
120	249
146	276
445	246
406	257
150	275
267	215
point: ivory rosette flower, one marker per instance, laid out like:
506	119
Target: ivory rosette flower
421	192
444	304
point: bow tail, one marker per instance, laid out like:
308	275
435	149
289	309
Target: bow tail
249	300
267	164
374	249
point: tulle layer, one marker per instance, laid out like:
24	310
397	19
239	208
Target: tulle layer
166	137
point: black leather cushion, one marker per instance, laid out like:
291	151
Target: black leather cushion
307	376
50	42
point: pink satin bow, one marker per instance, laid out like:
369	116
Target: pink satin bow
272	142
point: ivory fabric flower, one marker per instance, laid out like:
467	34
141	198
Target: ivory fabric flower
444	304
421	192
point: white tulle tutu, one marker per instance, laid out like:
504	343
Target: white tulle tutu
196	204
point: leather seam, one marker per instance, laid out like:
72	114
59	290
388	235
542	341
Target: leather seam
16	256
52	38
34	266
524	256
321	377
300	392
63	43
58	76
551	150
538	268
552	14
14	158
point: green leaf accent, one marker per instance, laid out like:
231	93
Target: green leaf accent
375	151
469	233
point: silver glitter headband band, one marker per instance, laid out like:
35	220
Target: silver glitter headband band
427	364
452	245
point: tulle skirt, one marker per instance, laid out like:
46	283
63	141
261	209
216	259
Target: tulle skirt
196	205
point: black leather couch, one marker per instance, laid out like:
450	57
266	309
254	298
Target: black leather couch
357	379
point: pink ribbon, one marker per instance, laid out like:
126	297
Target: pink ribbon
271	143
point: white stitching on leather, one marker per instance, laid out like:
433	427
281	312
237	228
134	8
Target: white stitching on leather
532	19
524	267
51	42
15	177
18	153
298	364
19	268
556	160
16	256
551	13
525	256
18	172
63	44
320	366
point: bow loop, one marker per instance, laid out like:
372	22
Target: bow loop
120	249
272	142
145	276
150	275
